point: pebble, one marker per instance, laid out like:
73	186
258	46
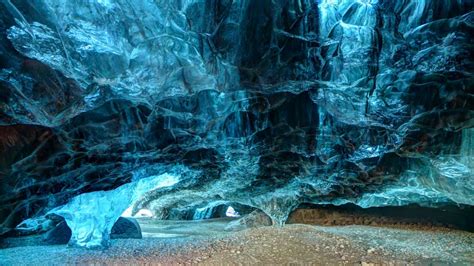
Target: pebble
359	244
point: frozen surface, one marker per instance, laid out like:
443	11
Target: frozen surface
267	104
92	215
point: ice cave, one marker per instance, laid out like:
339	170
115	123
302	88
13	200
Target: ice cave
236	132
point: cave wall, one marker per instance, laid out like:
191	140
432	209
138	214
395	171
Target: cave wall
268	104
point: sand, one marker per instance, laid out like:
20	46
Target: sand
205	243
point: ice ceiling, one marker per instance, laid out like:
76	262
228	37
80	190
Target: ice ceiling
268	103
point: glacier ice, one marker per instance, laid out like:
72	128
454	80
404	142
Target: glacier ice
92	215
268	104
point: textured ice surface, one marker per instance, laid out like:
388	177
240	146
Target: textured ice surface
268	104
92	215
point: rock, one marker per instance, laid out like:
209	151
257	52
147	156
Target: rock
256	218
126	228
123	228
58	235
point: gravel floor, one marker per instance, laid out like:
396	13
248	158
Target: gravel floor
294	244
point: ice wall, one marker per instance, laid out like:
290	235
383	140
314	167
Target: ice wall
269	103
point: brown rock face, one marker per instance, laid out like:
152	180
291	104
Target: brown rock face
389	216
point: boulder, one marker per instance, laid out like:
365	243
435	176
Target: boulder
123	228
254	219
58	235
126	228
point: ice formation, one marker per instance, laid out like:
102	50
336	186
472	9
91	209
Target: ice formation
92	215
267	104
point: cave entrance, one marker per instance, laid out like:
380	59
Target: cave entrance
203	219
230	212
221	210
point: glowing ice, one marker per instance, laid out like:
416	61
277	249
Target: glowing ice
92	215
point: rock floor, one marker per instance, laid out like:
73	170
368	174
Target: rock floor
294	244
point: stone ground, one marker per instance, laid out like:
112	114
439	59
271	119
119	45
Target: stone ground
205	243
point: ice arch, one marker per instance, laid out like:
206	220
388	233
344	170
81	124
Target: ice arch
91	216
